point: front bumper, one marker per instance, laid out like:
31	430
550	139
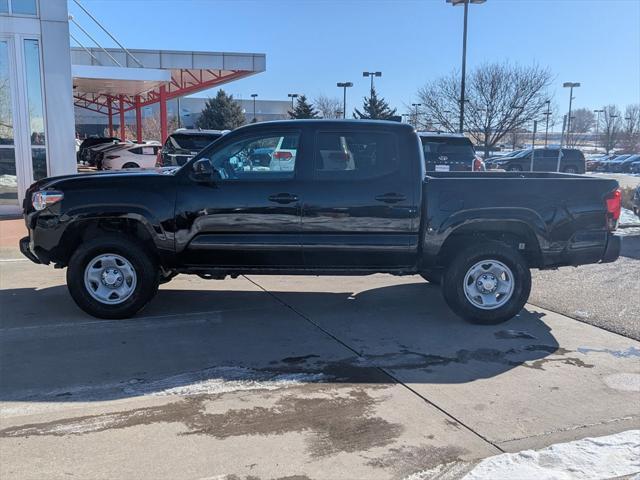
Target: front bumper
25	249
612	250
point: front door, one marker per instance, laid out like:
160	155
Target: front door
250	216
359	205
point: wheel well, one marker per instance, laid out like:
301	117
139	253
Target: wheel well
512	234
85	230
130	165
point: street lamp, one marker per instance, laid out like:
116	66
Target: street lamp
546	128
372	74
598	112
570	86
292	96
464	52
416	105
254	95
344	86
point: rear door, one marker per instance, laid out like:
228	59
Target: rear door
359	203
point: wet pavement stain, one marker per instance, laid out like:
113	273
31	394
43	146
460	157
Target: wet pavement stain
513	334
407	460
344	422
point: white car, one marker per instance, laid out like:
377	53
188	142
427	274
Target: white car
131	156
283	158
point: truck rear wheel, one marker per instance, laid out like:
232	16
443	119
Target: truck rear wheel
487	283
111	277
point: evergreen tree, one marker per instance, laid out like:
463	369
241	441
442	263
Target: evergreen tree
375	108
303	109
221	113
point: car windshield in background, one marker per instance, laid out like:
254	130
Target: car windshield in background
192	143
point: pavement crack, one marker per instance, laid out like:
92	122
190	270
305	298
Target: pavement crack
381	369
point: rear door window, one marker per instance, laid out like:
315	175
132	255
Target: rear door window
355	155
450	151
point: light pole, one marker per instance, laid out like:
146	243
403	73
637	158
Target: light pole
570	86
598	112
372	74
344	86
292	96
254	95
464	52
416	106
533	143
546	128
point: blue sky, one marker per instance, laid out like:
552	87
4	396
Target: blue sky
312	44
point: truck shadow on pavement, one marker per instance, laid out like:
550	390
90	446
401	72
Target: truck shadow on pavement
214	341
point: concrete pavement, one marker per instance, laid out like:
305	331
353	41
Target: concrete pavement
292	377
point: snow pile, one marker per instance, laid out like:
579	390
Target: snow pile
590	458
627	217
8	181
221	380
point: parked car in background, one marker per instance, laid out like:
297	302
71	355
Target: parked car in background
130	156
82	154
606	165
635	201
183	144
544	160
593	162
96	153
449	152
623	163
635	167
283	158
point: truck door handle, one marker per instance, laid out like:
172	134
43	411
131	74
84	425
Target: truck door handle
283	198
391	198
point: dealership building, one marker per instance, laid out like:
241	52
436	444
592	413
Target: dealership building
43	79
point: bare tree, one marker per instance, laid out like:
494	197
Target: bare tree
582	122
328	107
502	98
150	128
610	127
631	128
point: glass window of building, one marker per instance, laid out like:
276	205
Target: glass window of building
36	108
8	179
4	6
24	7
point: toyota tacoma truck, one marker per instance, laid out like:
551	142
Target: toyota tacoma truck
345	197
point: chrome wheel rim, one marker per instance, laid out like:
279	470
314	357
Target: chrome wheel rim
489	284
110	278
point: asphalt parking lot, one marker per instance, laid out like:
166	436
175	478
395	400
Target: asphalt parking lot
293	377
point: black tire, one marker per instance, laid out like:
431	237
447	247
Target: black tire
143	264
514	168
432	276
130	165
454	278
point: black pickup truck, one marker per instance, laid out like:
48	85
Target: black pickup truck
338	197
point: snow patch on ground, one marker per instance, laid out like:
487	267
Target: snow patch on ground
221	380
588	459
627	217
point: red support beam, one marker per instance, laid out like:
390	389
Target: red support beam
163	114
123	127
138	120
110	113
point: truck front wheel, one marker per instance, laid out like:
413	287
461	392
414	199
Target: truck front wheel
487	283
112	277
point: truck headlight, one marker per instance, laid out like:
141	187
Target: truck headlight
46	198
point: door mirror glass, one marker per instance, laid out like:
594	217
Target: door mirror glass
203	172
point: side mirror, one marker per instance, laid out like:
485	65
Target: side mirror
203	172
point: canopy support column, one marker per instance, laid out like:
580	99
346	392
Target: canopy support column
110	115
138	120
163	114
123	132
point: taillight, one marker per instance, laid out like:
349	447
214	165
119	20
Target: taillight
282	155
478	165
614	206
159	162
